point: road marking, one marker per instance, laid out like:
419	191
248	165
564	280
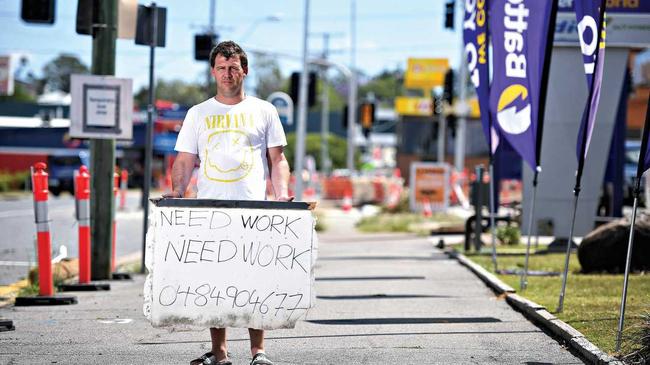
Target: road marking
17	263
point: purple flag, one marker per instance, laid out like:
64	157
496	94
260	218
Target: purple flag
519	31
475	36
591	30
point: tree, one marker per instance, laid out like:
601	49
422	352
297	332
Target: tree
337	150
385	86
268	75
56	73
177	91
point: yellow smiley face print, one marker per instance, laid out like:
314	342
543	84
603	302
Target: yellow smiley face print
228	156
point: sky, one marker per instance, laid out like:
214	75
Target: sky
388	32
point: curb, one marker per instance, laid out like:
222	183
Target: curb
538	314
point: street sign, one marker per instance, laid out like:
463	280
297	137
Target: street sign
101	107
627	24
284	105
416	106
425	73
429	185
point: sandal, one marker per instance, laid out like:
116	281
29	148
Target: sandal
209	358
261	359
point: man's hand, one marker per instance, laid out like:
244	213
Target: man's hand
285	198
173	194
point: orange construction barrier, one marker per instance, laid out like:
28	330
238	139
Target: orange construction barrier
82	200
124	180
427	212
39	182
116	182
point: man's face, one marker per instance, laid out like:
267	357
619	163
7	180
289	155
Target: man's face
229	75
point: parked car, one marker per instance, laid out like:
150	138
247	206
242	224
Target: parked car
61	168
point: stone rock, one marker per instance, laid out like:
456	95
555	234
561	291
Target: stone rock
605	248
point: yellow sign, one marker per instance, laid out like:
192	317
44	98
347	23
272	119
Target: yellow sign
425	72
406	105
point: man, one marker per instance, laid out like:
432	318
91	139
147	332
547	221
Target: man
239	141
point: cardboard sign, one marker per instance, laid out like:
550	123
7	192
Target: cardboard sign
222	264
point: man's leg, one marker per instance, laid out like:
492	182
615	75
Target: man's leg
218	336
257	340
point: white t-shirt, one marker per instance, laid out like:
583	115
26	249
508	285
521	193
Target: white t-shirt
231	143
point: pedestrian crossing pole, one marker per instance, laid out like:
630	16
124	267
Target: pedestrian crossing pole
102	151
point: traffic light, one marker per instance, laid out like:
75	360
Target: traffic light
203	44
311	88
366	115
448	91
449	14
38	11
344	117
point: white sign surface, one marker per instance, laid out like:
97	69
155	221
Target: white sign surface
229	267
102	107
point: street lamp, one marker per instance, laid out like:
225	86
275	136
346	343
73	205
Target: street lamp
269	18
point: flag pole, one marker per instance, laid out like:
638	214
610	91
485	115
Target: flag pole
523	282
630	243
493	211
581	163
493	208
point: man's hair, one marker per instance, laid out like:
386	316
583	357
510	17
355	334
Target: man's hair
228	49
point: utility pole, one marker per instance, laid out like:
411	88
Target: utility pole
461	126
211	31
302	109
324	113
352	108
326	162
102	151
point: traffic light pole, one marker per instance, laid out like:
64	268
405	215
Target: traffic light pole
102	151
302	110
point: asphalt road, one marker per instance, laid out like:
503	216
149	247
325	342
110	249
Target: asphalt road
381	299
18	237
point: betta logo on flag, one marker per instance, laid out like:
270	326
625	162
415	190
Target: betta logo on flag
513	109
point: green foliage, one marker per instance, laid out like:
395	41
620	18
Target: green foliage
385	86
401	207
508	235
12	180
592	302
56	73
176	91
268	74
20	95
399	222
637	342
337	149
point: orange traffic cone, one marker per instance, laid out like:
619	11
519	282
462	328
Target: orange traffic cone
426	208
347	201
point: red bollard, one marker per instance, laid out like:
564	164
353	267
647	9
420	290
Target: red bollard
116	184
82	211
39	182
82	197
45	282
124	178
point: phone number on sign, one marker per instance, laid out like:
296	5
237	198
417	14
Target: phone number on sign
233	297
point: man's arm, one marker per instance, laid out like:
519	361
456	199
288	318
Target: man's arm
280	173
181	174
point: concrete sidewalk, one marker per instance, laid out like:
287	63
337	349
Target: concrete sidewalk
381	299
